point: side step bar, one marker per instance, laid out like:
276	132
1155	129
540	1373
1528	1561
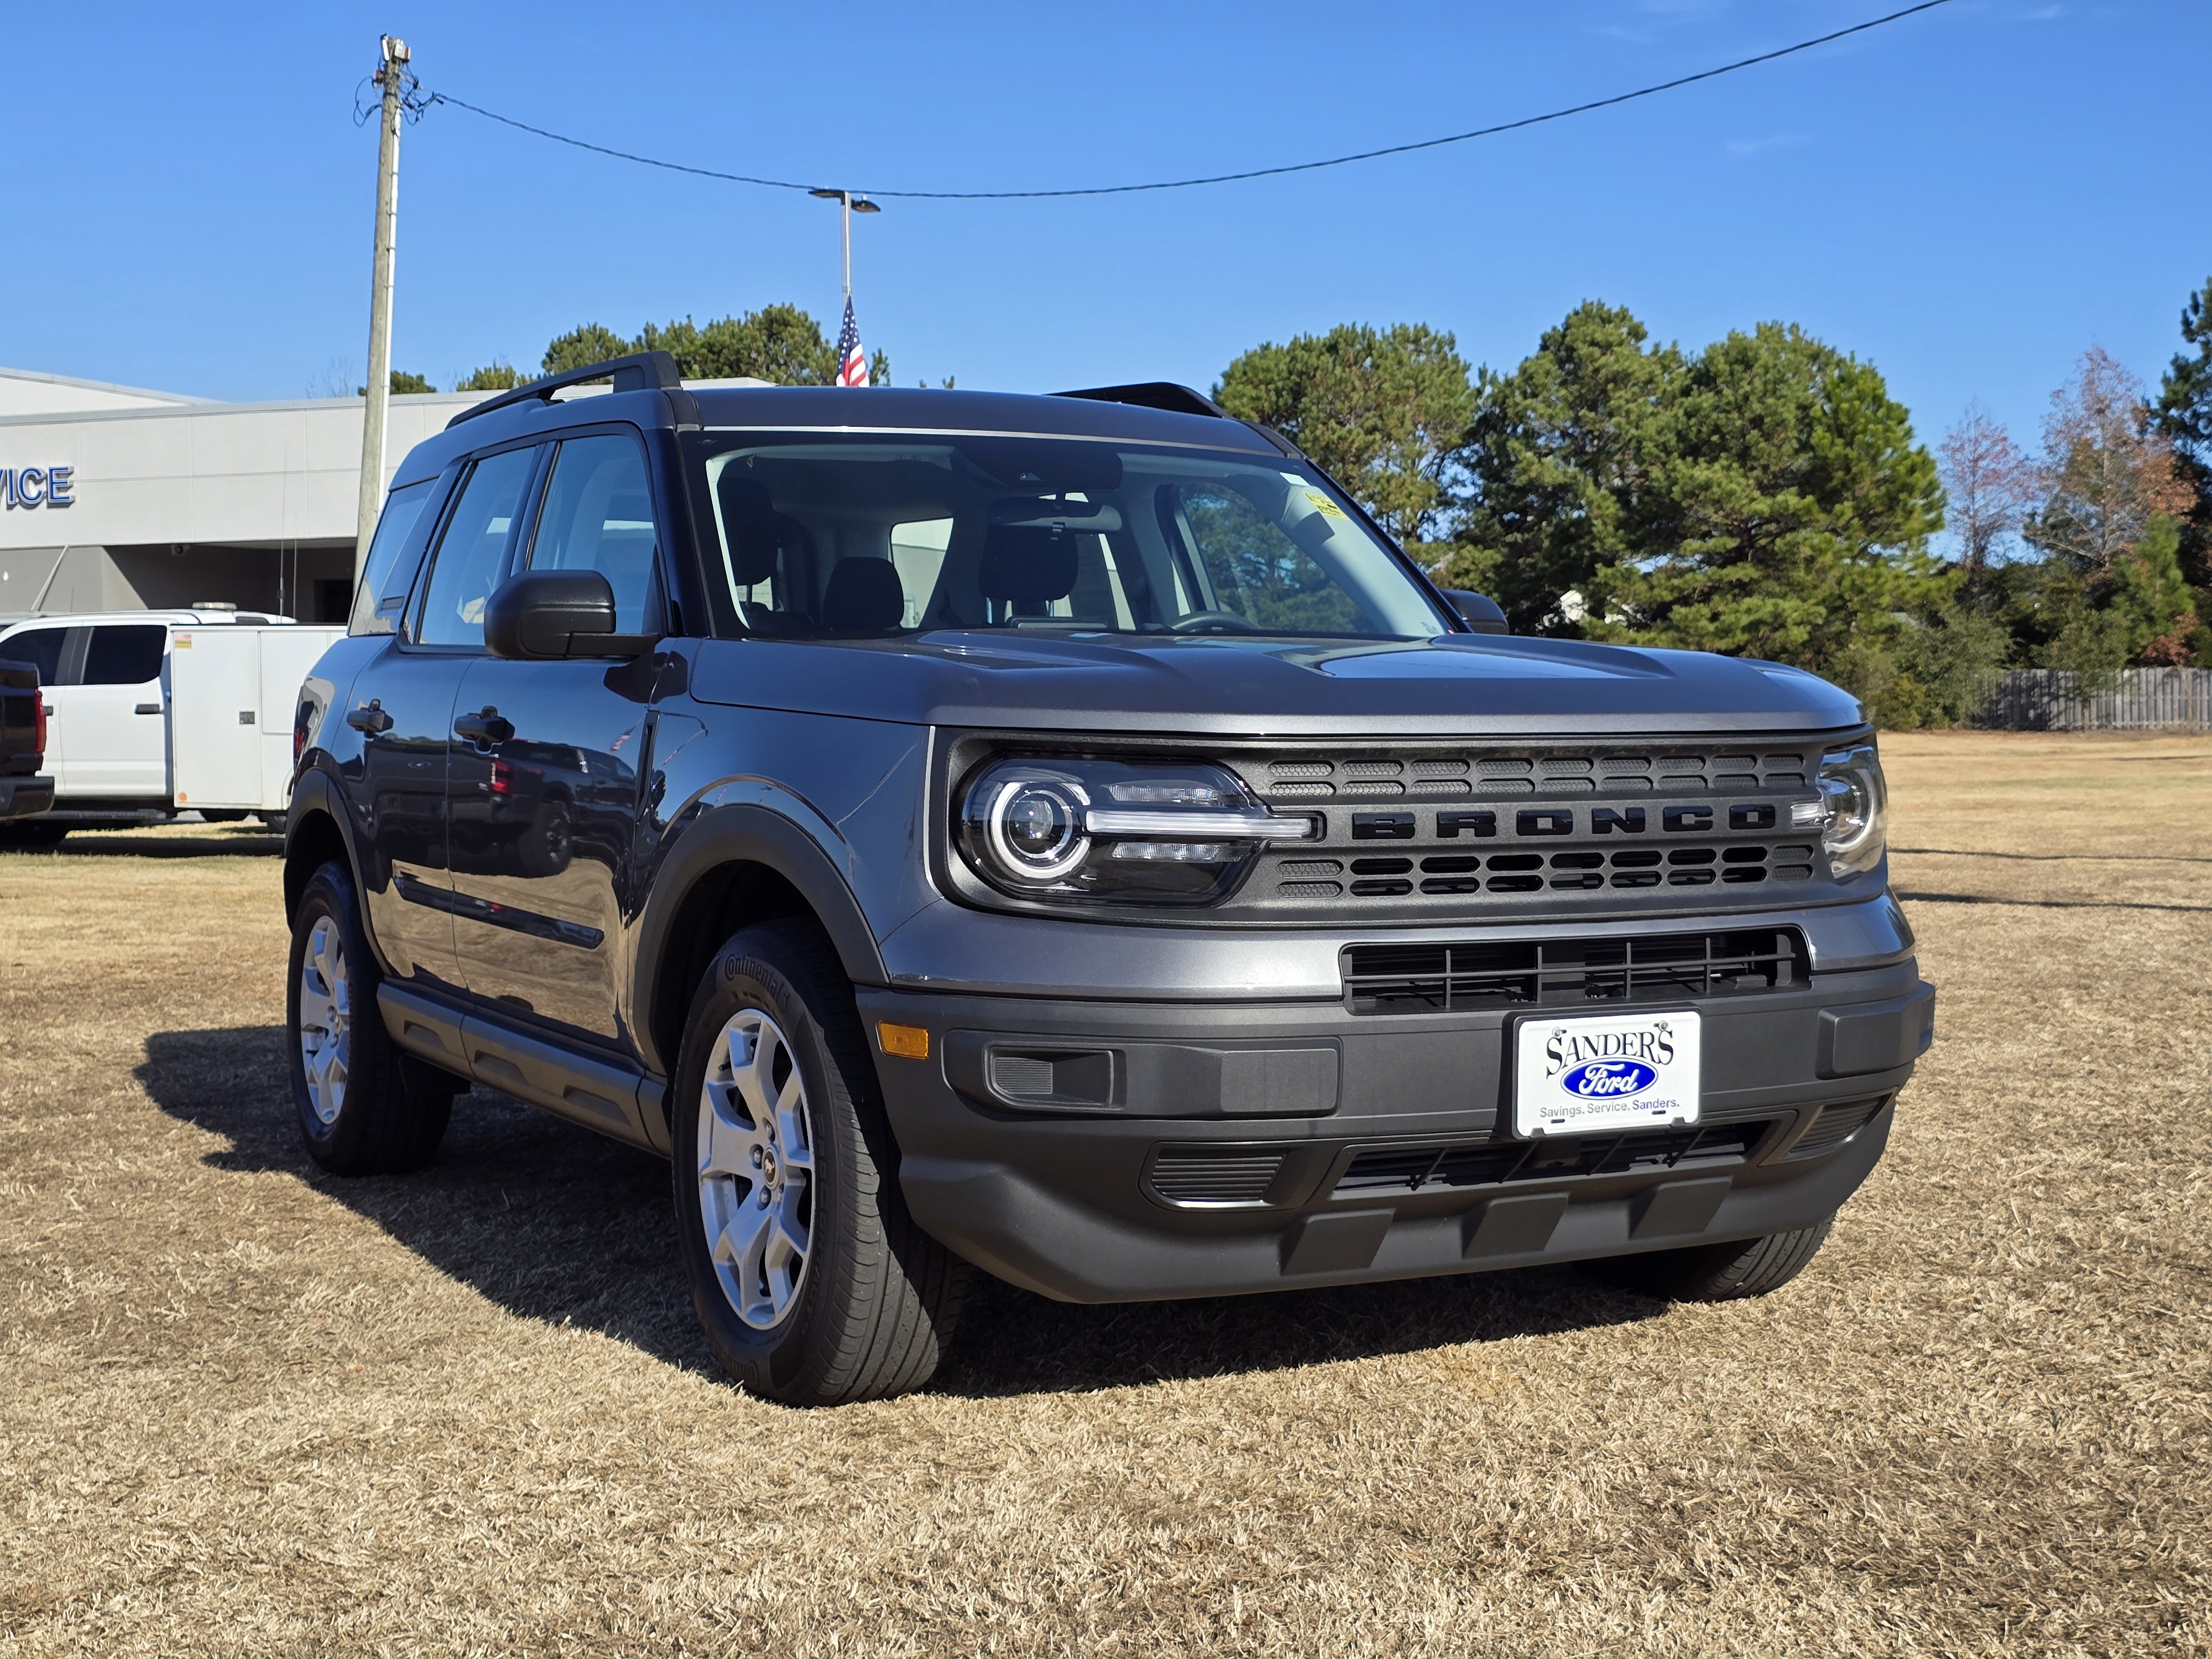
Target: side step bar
616	1098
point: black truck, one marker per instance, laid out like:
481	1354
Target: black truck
23	791
1063	837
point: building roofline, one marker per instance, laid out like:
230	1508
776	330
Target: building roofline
98	386
160	412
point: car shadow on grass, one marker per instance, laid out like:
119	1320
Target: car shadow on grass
554	1223
243	841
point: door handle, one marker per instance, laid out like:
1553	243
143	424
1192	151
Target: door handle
371	719
489	728
147	708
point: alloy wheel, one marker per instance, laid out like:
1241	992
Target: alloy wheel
326	1019
755	1169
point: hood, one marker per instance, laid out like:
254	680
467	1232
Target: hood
1455	684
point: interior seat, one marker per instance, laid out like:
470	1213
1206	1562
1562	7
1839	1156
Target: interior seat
865	595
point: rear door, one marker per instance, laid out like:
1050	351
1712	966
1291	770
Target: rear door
404	707
545	786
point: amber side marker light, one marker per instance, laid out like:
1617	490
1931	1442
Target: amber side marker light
907	1042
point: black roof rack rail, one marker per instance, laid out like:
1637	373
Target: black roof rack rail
643	371
1154	394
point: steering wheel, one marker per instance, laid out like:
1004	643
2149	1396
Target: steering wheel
1213	622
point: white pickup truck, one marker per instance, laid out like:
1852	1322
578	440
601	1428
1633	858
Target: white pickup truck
154	713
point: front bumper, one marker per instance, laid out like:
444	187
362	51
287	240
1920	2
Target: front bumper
21	797
1227	1147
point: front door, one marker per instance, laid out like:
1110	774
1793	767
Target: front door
548	759
119	739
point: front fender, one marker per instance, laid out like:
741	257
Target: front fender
744	833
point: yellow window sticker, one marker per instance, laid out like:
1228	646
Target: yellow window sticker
1323	505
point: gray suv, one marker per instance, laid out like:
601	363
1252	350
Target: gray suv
1063	835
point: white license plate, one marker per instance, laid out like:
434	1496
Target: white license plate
1576	1076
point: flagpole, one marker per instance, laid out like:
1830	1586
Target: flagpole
845	212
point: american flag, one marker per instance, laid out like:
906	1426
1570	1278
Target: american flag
852	362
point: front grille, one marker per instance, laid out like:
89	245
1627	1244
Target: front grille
1423	979
1461	828
1534	872
1623	773
1202	1176
1837	1124
1486	1164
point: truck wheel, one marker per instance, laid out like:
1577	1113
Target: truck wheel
814	1285
1720	1273
546	844
364	1105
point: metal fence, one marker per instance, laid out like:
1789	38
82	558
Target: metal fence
2139	699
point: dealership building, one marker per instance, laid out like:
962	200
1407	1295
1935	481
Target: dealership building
118	499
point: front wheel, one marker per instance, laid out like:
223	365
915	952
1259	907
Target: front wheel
1721	1272
813	1284
365	1107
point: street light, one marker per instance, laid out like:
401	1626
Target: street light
850	205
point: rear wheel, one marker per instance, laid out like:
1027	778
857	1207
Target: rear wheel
813	1284
365	1106
1720	1273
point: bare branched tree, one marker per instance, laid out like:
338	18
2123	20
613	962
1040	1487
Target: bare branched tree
2110	472
1991	486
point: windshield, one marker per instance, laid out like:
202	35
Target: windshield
821	534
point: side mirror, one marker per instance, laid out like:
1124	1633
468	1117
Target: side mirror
1478	610
538	615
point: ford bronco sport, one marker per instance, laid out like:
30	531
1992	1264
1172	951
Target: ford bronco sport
1062	835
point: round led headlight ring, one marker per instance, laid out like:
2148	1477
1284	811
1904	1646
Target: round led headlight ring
1035	826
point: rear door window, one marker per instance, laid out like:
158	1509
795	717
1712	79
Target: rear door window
125	653
472	555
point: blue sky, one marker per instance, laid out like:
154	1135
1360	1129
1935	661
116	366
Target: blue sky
1967	198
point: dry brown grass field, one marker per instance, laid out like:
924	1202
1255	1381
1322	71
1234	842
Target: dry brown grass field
245	1408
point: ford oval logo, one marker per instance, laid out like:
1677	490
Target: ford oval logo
1607	1079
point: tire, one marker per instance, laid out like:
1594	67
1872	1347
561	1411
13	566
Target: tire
30	834
364	1106
1720	1273
546	844
806	1175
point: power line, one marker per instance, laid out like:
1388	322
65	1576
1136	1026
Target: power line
1215	178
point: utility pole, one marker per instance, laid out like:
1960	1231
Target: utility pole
391	75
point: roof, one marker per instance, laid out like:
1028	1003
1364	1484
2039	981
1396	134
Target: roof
180	619
28	391
868	408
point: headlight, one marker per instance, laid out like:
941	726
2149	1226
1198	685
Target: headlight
1115	831
1856	836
